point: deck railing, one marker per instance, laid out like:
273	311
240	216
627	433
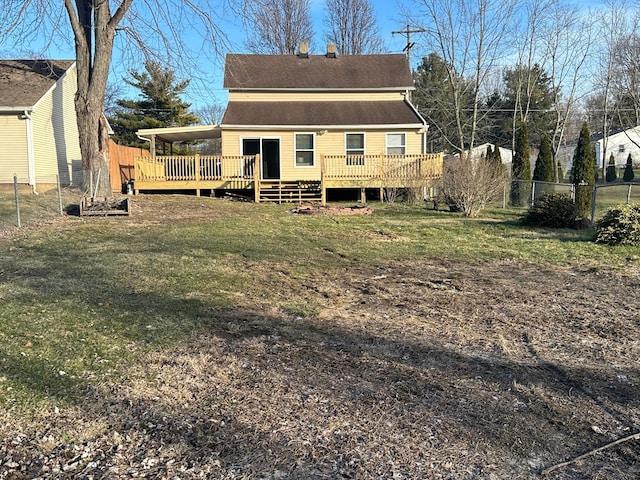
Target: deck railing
194	168
382	167
243	172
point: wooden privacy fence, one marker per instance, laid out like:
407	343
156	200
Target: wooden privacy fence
122	163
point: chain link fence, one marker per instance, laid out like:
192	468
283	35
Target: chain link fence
19	206
605	196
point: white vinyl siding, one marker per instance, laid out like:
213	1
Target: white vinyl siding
13	148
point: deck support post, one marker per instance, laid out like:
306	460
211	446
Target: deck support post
363	195
323	188
256	178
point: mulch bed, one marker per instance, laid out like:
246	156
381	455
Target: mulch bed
330	210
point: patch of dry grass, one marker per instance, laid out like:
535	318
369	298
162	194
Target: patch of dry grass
246	343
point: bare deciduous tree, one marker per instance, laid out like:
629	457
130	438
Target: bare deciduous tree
154	29
277	26
469	36
569	38
211	114
353	27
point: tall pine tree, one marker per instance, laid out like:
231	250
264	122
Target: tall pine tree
521	168
160	105
584	173
544	163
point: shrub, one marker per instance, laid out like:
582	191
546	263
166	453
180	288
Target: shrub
628	175
611	175
555	210
620	226
469	185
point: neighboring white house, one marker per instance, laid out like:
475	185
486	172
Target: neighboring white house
506	155
38	129
621	144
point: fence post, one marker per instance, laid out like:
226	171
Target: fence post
15	191
629	195
533	192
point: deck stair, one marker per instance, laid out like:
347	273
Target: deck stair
290	191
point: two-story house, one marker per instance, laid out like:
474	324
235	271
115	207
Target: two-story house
38	131
324	121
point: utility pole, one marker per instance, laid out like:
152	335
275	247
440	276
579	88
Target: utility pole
410	44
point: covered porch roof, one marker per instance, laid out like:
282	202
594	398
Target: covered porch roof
180	134
169	135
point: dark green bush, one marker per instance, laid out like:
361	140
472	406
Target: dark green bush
620	226
555	210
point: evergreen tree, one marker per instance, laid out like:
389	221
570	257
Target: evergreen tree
528	95
611	175
521	168
489	154
439	92
544	163
497	157
560	172
628	170
583	173
160	105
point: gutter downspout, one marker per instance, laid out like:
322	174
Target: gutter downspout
424	122
31	160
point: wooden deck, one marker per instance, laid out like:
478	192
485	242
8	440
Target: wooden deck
213	172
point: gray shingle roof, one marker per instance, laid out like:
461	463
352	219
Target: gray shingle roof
24	82
385	71
320	113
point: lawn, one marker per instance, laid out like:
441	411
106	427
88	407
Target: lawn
207	338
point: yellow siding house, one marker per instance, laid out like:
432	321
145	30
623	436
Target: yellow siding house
304	124
38	131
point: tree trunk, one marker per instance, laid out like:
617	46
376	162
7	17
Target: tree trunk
95	160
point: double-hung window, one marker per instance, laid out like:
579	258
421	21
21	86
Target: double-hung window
355	148
396	143
304	149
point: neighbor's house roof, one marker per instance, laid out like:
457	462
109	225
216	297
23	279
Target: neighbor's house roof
24	82
317	72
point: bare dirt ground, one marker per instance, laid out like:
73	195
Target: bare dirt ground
421	370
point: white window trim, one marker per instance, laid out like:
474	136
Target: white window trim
364	142
386	142
295	150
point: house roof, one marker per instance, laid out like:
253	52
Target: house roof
321	114
24	82
358	72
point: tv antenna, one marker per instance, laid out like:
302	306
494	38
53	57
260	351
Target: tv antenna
409	44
